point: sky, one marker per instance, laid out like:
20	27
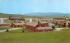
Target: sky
33	6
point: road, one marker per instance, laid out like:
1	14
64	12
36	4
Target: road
9	29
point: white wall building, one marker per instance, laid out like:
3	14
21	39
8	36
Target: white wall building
2	20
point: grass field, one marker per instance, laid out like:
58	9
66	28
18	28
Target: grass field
37	37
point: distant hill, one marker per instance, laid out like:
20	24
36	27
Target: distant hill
2	15
48	14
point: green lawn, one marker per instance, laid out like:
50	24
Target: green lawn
37	37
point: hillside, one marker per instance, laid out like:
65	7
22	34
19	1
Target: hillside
2	15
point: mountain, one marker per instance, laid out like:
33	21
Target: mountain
48	14
3	15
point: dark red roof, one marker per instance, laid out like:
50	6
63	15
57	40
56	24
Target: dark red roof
42	25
